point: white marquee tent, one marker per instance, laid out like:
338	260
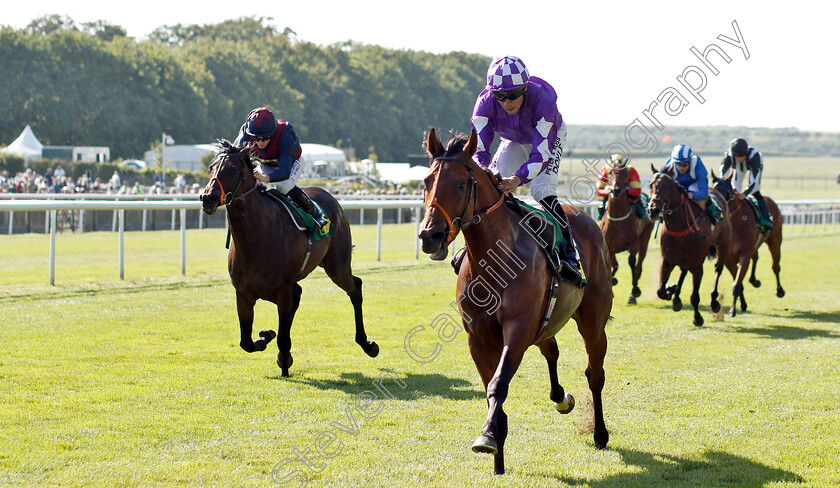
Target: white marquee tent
26	145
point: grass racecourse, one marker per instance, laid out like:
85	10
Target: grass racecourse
141	382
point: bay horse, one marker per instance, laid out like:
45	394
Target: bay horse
504	284
687	239
269	255
623	229
747	238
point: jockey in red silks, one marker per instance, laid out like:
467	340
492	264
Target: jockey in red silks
634	187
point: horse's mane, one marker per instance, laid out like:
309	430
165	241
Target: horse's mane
224	147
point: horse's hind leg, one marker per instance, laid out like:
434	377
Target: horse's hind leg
591	323
564	402
775	245
738	285
287	305
245	310
340	273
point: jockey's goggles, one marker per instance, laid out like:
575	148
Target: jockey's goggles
683	163
260	139
509	94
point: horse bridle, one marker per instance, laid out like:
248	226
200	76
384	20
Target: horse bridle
666	210
227	198
473	197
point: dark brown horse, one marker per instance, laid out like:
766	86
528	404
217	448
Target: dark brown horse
688	237
504	285
747	238
269	255
623	229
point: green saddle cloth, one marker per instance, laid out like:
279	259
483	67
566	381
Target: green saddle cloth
558	233
762	221
303	219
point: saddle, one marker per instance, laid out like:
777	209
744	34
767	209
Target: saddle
302	219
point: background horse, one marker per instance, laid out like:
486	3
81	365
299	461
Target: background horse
269	255
623	229
687	239
747	238
504	285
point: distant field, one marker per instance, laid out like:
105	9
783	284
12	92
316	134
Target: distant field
141	382
784	178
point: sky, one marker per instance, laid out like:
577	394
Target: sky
610	62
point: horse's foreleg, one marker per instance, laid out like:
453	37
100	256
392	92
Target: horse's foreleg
676	303
287	305
245	310
564	402
493	434
614	262
753	281
664	273
719	265
697	277
591	323
634	276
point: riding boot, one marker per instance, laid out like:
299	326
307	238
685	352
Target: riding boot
569	263
766	221
303	201
602	209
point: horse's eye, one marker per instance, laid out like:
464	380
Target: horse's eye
462	186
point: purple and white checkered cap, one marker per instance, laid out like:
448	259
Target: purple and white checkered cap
506	73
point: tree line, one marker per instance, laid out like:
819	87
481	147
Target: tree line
89	84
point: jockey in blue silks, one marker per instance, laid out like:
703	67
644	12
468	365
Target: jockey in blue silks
688	171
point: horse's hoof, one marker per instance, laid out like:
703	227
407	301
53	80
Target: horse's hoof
676	305
698	321
780	292
372	349
268	335
631	300
636	292
601	439
715	306
743	307
567	405
485	443
614	281
732	312
285	365
755	283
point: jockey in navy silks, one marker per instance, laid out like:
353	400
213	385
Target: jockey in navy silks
275	147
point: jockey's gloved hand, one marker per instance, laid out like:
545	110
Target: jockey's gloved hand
261	173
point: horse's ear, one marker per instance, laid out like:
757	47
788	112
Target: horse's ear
433	145
715	179
472	143
729	176
653	168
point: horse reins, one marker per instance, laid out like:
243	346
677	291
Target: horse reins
473	196
688	212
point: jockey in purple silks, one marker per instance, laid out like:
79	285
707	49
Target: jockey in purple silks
522	110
